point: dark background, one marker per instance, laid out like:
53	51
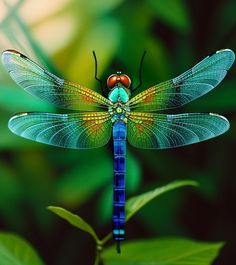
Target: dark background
176	34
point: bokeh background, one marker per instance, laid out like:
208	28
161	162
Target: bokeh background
60	35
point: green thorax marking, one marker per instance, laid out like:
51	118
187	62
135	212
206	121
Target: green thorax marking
119	94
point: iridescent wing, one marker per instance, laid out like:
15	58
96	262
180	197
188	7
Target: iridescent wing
159	131
45	85
77	131
190	85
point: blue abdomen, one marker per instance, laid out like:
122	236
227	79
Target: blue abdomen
119	138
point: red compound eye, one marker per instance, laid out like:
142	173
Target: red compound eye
125	80
112	80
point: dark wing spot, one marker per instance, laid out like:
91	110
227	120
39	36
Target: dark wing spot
23	56
178	86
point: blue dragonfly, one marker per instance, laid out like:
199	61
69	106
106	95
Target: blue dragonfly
121	115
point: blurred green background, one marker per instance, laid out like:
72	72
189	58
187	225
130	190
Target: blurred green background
60	35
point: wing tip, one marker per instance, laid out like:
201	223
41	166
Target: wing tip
10	52
217	115
227	123
5	56
223	50
21	114
230	52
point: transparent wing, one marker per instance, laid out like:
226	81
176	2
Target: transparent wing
190	85
159	131
45	85
77	131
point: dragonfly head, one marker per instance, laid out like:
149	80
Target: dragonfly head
117	78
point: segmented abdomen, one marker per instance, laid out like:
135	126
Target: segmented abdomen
119	138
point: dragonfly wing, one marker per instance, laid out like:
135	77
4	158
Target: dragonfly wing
47	86
159	131
77	131
190	85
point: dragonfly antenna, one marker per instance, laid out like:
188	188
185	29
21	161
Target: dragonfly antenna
140	71
96	70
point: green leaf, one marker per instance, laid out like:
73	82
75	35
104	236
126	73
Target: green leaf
16	251
134	204
178	17
160	216
163	251
75	220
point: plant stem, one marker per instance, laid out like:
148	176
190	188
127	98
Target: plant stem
106	238
97	260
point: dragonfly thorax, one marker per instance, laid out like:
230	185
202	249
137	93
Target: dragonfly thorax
119	112
119	94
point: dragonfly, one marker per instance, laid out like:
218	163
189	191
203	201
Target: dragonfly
119	115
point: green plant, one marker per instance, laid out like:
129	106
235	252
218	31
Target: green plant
156	251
